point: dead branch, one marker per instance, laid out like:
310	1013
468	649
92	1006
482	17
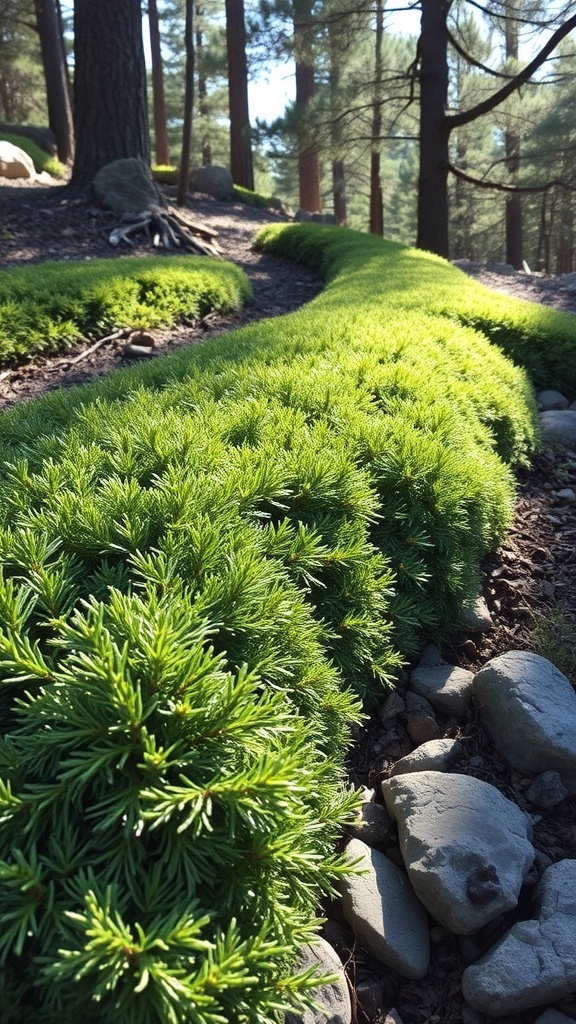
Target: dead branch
166	229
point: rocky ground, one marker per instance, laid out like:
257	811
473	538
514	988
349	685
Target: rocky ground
528	583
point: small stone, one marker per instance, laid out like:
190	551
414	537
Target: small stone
373	825
334	996
553	1017
383	911
393	706
447	687
436	755
476	761
422	728
477	618
547	790
393	1017
550	399
431	655
567	494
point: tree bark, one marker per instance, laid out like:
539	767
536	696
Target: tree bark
158	98
184	173
339	198
434	131
110	107
308	161
205	144
376	224
240	135
435	125
514	239
60	117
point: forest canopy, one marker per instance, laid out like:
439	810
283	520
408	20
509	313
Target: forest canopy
459	136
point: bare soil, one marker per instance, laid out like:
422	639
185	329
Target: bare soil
525	582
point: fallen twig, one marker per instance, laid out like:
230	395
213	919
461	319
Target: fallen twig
92	348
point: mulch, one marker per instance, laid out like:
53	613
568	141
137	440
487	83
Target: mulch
530	576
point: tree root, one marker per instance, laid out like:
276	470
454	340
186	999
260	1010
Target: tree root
165	229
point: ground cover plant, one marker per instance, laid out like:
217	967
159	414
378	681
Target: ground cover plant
42	161
48	307
206	562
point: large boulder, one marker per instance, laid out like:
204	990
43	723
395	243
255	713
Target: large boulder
213	180
534	964
465	846
15	163
559	426
126	186
383	912
529	709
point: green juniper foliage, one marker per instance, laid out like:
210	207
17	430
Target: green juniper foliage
42	161
206	562
48	307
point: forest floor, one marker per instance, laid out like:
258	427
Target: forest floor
529	583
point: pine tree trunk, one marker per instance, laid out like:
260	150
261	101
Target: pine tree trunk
434	131
308	162
339	199
514	240
109	86
376	225
240	141
205	144
339	191
60	117
158	99
184	173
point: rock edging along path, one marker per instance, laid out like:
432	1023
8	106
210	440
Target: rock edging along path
467	856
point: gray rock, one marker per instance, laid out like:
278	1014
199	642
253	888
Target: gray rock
534	964
382	910
333	997
465	871
447	687
303	216
436	755
126	186
431	655
559	426
505	269
546	790
567	494
393	706
213	180
553	1017
550	399
477	618
15	163
393	1017
529	709
568	281
373	825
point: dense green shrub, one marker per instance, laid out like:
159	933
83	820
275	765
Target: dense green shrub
204	561
46	307
251	198
42	161
541	340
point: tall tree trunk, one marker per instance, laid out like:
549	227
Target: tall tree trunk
202	90
109	86
240	140
376	225
514	246
60	117
338	166
158	99
308	161
184	173
434	131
